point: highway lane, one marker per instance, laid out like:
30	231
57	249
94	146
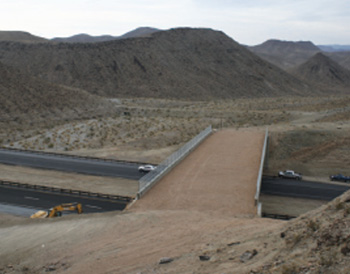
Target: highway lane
302	189
69	164
18	210
28	198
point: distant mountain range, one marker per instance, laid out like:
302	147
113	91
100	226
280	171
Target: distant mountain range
47	77
289	54
285	54
196	64
25	37
85	38
334	48
21	36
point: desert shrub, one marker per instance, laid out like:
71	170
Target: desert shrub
47	140
346	211
339	204
328	259
314	226
290	269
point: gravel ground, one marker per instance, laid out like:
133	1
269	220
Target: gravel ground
220	176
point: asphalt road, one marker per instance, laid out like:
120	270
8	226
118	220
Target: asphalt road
15	199
69	164
302	189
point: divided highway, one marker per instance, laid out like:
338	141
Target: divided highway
70	164
26	201
302	189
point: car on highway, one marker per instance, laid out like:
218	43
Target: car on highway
340	177
289	174
146	168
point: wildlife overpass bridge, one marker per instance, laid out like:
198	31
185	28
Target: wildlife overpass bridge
220	175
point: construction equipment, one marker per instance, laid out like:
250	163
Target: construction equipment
57	211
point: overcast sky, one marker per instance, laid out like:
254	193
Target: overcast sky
248	22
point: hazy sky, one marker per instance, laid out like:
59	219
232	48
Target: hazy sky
248	22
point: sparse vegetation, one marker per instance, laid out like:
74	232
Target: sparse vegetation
309	132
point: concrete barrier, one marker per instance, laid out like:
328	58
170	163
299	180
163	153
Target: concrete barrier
261	169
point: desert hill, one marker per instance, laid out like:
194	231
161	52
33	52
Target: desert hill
342	58
334	48
324	72
20	36
24	98
139	32
180	63
285	54
86	38
288	55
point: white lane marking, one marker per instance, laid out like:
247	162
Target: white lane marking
91	206
31	198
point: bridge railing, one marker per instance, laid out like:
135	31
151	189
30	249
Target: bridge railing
147	181
261	168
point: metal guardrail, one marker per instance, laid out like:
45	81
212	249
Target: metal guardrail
259	179
68	191
147	181
70	155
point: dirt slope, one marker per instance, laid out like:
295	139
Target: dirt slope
219	176
127	243
196	64
317	242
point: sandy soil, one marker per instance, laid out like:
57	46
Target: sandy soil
191	218
133	243
219	176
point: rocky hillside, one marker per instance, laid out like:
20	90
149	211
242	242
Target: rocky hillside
318	242
20	36
285	54
139	32
323	71
288	55
342	58
195	64
24	98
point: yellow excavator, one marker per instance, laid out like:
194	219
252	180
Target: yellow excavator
57	211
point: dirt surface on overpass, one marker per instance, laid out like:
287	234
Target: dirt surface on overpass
220	176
